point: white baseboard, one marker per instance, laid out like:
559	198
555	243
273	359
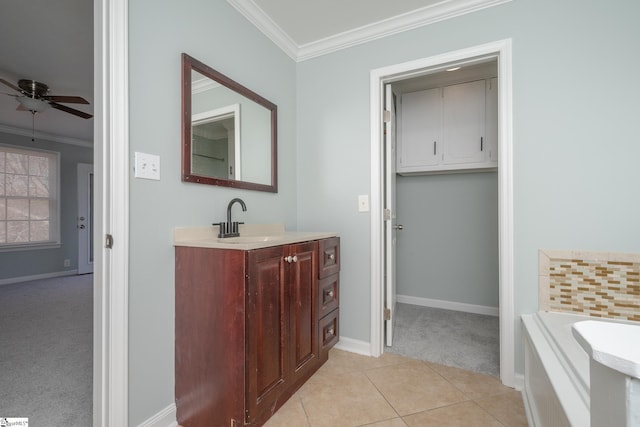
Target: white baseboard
518	382
448	305
354	346
38	276
164	418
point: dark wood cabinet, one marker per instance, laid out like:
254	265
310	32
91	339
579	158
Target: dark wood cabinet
251	327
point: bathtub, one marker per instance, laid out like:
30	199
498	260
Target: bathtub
556	384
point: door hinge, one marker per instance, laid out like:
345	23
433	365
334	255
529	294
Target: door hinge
387	214
386	116
387	314
108	241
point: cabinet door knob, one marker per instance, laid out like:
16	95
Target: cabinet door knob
330	332
330	294
295	258
332	257
288	258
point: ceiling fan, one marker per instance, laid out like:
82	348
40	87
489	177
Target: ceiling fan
34	97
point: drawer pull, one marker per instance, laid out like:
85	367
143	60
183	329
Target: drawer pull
330	332
332	257
330	293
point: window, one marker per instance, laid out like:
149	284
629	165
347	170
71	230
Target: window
28	198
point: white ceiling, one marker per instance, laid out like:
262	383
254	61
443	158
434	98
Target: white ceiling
307	21
52	42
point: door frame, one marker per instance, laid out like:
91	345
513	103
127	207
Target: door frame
378	77
111	214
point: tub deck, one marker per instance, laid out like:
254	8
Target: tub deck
556	389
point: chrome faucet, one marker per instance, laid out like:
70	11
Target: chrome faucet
230	229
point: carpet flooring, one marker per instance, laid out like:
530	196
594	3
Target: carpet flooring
46	351
454	338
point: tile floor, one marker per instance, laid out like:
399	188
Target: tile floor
393	391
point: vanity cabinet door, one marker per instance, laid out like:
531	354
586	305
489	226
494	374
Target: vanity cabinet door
267	314
303	306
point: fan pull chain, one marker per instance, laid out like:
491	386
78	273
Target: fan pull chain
33	126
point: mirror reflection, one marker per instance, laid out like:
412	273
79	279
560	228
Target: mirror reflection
229	132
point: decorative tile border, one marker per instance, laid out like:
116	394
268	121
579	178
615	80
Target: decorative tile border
598	284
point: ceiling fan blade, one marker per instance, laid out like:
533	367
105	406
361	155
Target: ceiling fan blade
66	99
16	88
71	110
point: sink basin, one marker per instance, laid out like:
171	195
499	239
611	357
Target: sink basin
252	239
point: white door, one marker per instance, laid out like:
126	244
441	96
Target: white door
420	130
463	123
390	227
85	218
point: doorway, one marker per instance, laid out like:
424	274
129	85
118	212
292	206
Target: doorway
501	51
85	218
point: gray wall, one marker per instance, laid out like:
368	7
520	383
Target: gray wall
575	138
214	33
42	261
575	92
448	249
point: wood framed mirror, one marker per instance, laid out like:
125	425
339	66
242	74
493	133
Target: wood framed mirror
229	132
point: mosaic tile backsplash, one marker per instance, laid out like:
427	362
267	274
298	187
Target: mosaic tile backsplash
598	284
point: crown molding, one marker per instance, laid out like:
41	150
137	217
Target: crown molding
47	136
269	28
441	11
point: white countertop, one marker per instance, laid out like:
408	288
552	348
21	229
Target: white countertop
615	345
252	236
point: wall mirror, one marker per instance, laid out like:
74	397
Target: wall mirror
229	133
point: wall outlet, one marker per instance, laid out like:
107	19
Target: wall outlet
67	263
147	166
363	203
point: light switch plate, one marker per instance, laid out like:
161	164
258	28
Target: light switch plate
147	166
363	203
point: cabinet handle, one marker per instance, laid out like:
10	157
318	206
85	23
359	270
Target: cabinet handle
295	258
481	144
288	259
332	257
330	294
330	332
434	148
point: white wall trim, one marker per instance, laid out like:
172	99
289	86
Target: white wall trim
448	305
38	277
47	136
378	77
354	346
111	162
164	418
437	12
264	23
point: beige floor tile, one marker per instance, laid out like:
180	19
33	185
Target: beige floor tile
413	387
290	414
474	385
507	407
344	361
466	414
395	422
343	399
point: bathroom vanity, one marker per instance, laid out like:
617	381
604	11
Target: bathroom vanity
255	317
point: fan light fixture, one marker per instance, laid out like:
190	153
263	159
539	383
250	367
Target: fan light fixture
32	104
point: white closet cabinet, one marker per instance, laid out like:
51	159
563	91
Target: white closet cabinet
447	129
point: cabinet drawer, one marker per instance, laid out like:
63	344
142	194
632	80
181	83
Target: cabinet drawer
328	332
328	257
328	294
